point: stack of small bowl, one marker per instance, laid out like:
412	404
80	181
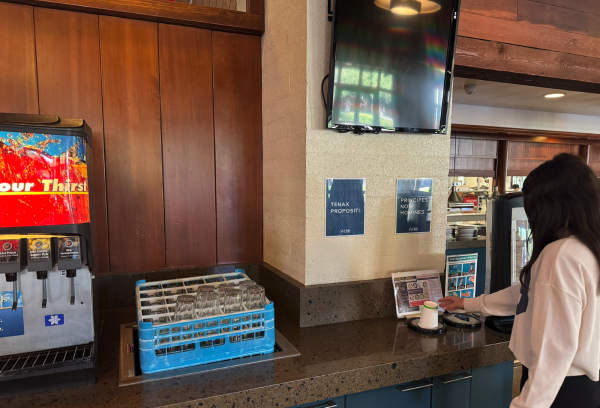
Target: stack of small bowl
466	232
449	232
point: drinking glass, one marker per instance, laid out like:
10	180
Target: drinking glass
154	302
157	311
221	291
172	292
206	288
151	295
247	282
202	290
255	299
209	305
233	301
184	308
244	285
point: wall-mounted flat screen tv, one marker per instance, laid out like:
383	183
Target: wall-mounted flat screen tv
391	65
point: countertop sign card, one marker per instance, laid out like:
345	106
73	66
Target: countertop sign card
345	207
413	289
461	274
413	205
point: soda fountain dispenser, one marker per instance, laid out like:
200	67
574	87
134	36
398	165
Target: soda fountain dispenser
508	247
47	314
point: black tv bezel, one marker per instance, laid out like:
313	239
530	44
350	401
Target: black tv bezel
443	129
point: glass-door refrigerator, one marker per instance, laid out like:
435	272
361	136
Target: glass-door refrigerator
508	247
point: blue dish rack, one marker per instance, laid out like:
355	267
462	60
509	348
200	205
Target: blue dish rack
167	345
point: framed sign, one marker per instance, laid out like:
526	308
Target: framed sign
345	207
413	205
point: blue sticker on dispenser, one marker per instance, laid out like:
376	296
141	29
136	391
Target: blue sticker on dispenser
11	322
54	320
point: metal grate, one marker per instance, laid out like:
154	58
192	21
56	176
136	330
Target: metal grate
16	362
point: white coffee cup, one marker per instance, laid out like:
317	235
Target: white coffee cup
429	315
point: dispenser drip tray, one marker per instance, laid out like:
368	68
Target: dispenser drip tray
129	366
462	320
46	370
414	325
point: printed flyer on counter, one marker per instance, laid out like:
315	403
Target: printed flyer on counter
460	275
413	289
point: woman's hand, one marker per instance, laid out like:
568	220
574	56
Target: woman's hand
451	303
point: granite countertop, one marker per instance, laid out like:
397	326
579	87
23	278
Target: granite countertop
336	359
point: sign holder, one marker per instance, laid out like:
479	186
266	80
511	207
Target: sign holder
413	205
345	211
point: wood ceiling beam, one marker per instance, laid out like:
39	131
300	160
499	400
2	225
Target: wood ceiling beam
523	135
494	61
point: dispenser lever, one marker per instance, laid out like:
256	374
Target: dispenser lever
72	291
71	275
15	297
43	275
12	277
44	296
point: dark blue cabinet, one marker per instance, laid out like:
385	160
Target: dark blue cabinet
379	398
338	402
491	386
452	390
483	387
415	394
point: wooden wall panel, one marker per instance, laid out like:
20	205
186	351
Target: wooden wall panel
18	79
523	157
594	163
188	146
162	11
129	54
238	146
255	6
70	85
474	157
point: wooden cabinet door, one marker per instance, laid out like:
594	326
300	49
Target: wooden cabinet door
238	146
188	146
70	86
452	390
133	147
18	78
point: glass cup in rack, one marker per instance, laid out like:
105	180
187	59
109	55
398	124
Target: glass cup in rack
185	308
255	299
209	305
233	301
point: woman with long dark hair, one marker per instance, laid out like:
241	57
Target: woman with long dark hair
556	334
